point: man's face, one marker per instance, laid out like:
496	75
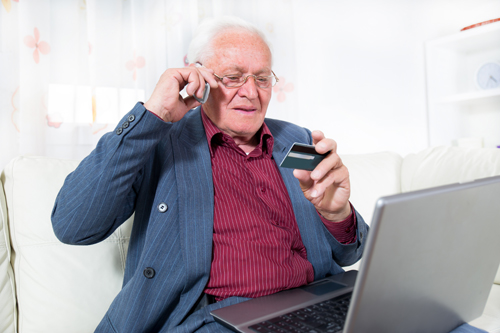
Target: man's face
239	112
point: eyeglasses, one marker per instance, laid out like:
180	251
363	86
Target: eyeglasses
235	81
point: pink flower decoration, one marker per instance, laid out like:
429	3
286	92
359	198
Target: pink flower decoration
280	88
137	62
54	120
34	42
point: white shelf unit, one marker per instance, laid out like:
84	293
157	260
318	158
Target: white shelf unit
456	107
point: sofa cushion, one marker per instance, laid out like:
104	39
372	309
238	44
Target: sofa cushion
490	321
57	285
446	165
372	176
7	287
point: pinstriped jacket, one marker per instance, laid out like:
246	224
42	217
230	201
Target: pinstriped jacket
162	171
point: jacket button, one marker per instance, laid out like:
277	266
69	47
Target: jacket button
131	118
162	208
119	130
149	273
125	124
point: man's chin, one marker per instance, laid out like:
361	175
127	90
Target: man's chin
243	133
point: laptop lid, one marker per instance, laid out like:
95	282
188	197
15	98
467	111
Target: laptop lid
430	261
429	264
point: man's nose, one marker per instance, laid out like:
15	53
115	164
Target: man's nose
249	88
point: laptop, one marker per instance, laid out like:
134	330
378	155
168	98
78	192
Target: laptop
428	266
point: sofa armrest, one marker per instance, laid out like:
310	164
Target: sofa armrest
8	313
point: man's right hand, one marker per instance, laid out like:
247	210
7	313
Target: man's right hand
167	103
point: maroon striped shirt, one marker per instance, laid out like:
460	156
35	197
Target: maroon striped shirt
257	247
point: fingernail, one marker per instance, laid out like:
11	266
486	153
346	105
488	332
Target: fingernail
315	174
314	193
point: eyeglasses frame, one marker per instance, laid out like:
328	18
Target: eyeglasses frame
246	78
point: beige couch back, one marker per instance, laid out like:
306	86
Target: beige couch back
62	288
59	288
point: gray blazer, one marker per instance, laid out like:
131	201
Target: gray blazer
162	172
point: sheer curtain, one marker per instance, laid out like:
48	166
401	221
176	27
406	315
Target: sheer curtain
71	68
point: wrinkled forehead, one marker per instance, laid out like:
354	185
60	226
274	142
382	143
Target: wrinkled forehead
240	49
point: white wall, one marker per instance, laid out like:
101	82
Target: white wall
360	67
357	66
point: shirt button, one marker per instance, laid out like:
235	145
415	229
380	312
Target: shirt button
347	229
263	190
162	208
149	273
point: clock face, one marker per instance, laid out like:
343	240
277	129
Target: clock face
488	76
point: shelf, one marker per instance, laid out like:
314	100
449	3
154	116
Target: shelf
472	98
456	107
480	39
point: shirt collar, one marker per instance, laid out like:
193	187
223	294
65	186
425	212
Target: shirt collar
216	138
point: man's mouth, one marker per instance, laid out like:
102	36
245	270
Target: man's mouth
245	109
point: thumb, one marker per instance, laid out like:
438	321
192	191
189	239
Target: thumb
191	102
304	178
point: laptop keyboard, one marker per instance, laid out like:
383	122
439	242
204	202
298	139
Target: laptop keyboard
327	316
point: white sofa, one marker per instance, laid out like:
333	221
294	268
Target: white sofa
46	286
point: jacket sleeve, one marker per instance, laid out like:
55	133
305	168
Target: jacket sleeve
348	254
100	194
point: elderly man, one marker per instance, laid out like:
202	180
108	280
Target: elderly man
216	220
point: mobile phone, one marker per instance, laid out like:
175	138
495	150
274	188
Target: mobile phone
206	92
302	156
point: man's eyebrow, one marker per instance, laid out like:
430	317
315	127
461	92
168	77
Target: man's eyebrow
239	69
234	69
266	71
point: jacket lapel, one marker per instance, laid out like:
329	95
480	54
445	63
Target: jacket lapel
308	221
304	211
196	199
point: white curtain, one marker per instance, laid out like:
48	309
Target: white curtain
70	69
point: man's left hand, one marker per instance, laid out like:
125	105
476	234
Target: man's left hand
327	186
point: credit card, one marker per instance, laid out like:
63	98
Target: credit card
302	156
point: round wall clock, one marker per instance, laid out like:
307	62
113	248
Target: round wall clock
488	76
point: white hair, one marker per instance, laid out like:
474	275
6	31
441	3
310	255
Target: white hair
201	48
